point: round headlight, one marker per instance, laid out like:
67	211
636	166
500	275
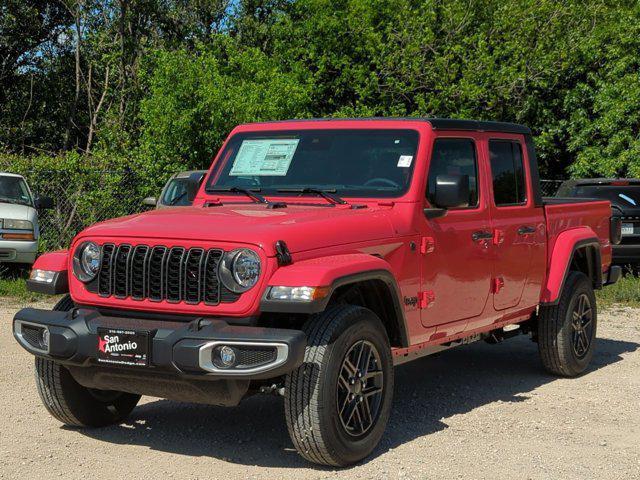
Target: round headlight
240	269
86	261
246	268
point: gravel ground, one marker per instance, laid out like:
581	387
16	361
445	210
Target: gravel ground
481	411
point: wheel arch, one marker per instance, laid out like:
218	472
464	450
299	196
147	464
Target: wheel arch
358	279
378	292
574	250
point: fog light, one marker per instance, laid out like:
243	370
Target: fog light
223	356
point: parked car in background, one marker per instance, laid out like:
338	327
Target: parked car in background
624	195
19	230
176	191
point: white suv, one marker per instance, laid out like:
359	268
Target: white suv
19	230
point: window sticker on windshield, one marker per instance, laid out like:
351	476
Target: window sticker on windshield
405	161
269	157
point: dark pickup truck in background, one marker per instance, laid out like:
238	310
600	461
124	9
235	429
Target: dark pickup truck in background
624	195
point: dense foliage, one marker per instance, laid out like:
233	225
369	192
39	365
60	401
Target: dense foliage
159	83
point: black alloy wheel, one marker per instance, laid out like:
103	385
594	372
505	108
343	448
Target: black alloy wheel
360	388
582	324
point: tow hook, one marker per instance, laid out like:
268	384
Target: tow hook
274	389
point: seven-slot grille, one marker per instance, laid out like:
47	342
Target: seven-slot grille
159	273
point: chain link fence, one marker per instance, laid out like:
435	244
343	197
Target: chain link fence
550	187
82	200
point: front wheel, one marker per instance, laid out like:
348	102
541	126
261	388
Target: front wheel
338	402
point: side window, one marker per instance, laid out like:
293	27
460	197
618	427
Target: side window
509	187
454	156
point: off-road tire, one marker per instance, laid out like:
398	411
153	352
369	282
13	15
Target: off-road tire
556	331
311	391
71	403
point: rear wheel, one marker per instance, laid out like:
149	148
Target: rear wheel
75	405
337	403
567	331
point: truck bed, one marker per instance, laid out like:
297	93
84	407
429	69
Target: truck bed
566	213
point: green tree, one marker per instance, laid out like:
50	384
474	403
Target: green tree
195	98
605	108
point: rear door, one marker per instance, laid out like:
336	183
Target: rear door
518	225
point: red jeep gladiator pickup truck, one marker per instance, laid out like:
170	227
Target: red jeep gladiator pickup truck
317	255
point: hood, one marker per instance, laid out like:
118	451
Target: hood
302	227
15	211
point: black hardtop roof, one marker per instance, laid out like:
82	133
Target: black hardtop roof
436	123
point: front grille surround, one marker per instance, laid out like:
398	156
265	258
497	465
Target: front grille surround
160	273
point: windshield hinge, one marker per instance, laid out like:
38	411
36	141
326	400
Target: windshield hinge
273	205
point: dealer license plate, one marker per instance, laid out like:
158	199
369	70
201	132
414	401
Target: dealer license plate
627	229
123	347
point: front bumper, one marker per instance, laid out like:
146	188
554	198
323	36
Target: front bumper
177	349
16	251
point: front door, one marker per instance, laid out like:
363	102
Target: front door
456	248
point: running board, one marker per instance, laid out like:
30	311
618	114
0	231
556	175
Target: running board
404	355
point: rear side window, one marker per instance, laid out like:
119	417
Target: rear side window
507	171
454	156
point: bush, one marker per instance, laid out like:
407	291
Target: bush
625	291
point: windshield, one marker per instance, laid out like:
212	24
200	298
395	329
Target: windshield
622	195
14	190
350	163
176	193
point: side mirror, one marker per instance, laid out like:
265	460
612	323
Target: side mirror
44	203
150	201
451	191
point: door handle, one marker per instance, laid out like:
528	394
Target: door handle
526	230
481	235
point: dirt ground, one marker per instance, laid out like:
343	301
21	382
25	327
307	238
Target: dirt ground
480	411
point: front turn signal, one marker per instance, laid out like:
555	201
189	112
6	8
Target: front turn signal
298	294
18	236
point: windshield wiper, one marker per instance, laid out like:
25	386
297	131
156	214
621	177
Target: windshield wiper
178	198
249	193
323	193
